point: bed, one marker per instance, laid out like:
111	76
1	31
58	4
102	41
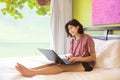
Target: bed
107	64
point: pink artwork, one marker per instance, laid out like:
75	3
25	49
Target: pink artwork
105	12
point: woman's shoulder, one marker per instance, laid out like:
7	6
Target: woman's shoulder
86	36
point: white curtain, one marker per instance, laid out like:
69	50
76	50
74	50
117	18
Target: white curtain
61	12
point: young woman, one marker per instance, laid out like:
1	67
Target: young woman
82	54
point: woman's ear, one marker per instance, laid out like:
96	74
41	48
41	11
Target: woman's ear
77	27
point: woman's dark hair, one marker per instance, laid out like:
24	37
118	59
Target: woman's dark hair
75	23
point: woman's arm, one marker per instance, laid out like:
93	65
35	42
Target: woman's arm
92	57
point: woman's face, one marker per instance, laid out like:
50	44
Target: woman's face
73	30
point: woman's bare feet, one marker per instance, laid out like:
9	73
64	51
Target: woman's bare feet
24	70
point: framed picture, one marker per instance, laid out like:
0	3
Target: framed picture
105	12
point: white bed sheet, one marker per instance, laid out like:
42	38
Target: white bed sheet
8	72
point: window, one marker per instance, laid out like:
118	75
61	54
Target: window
22	37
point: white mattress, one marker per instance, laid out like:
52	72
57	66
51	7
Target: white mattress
8	72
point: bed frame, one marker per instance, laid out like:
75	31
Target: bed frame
108	32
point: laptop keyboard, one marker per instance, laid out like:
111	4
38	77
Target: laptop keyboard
65	60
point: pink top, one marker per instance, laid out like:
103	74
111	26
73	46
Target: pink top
82	47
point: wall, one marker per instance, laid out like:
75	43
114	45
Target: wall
82	11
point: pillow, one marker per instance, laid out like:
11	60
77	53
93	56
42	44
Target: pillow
107	53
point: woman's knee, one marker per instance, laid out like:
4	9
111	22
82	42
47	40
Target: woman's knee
73	67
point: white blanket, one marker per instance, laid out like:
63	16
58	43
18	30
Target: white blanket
8	72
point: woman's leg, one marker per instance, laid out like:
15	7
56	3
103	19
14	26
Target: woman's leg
43	66
73	67
45	71
49	70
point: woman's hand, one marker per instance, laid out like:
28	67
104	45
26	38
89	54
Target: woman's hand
73	59
68	57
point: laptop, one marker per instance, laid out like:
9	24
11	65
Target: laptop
53	56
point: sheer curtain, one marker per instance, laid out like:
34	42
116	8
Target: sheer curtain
61	12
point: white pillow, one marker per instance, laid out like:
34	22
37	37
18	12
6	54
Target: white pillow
107	53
